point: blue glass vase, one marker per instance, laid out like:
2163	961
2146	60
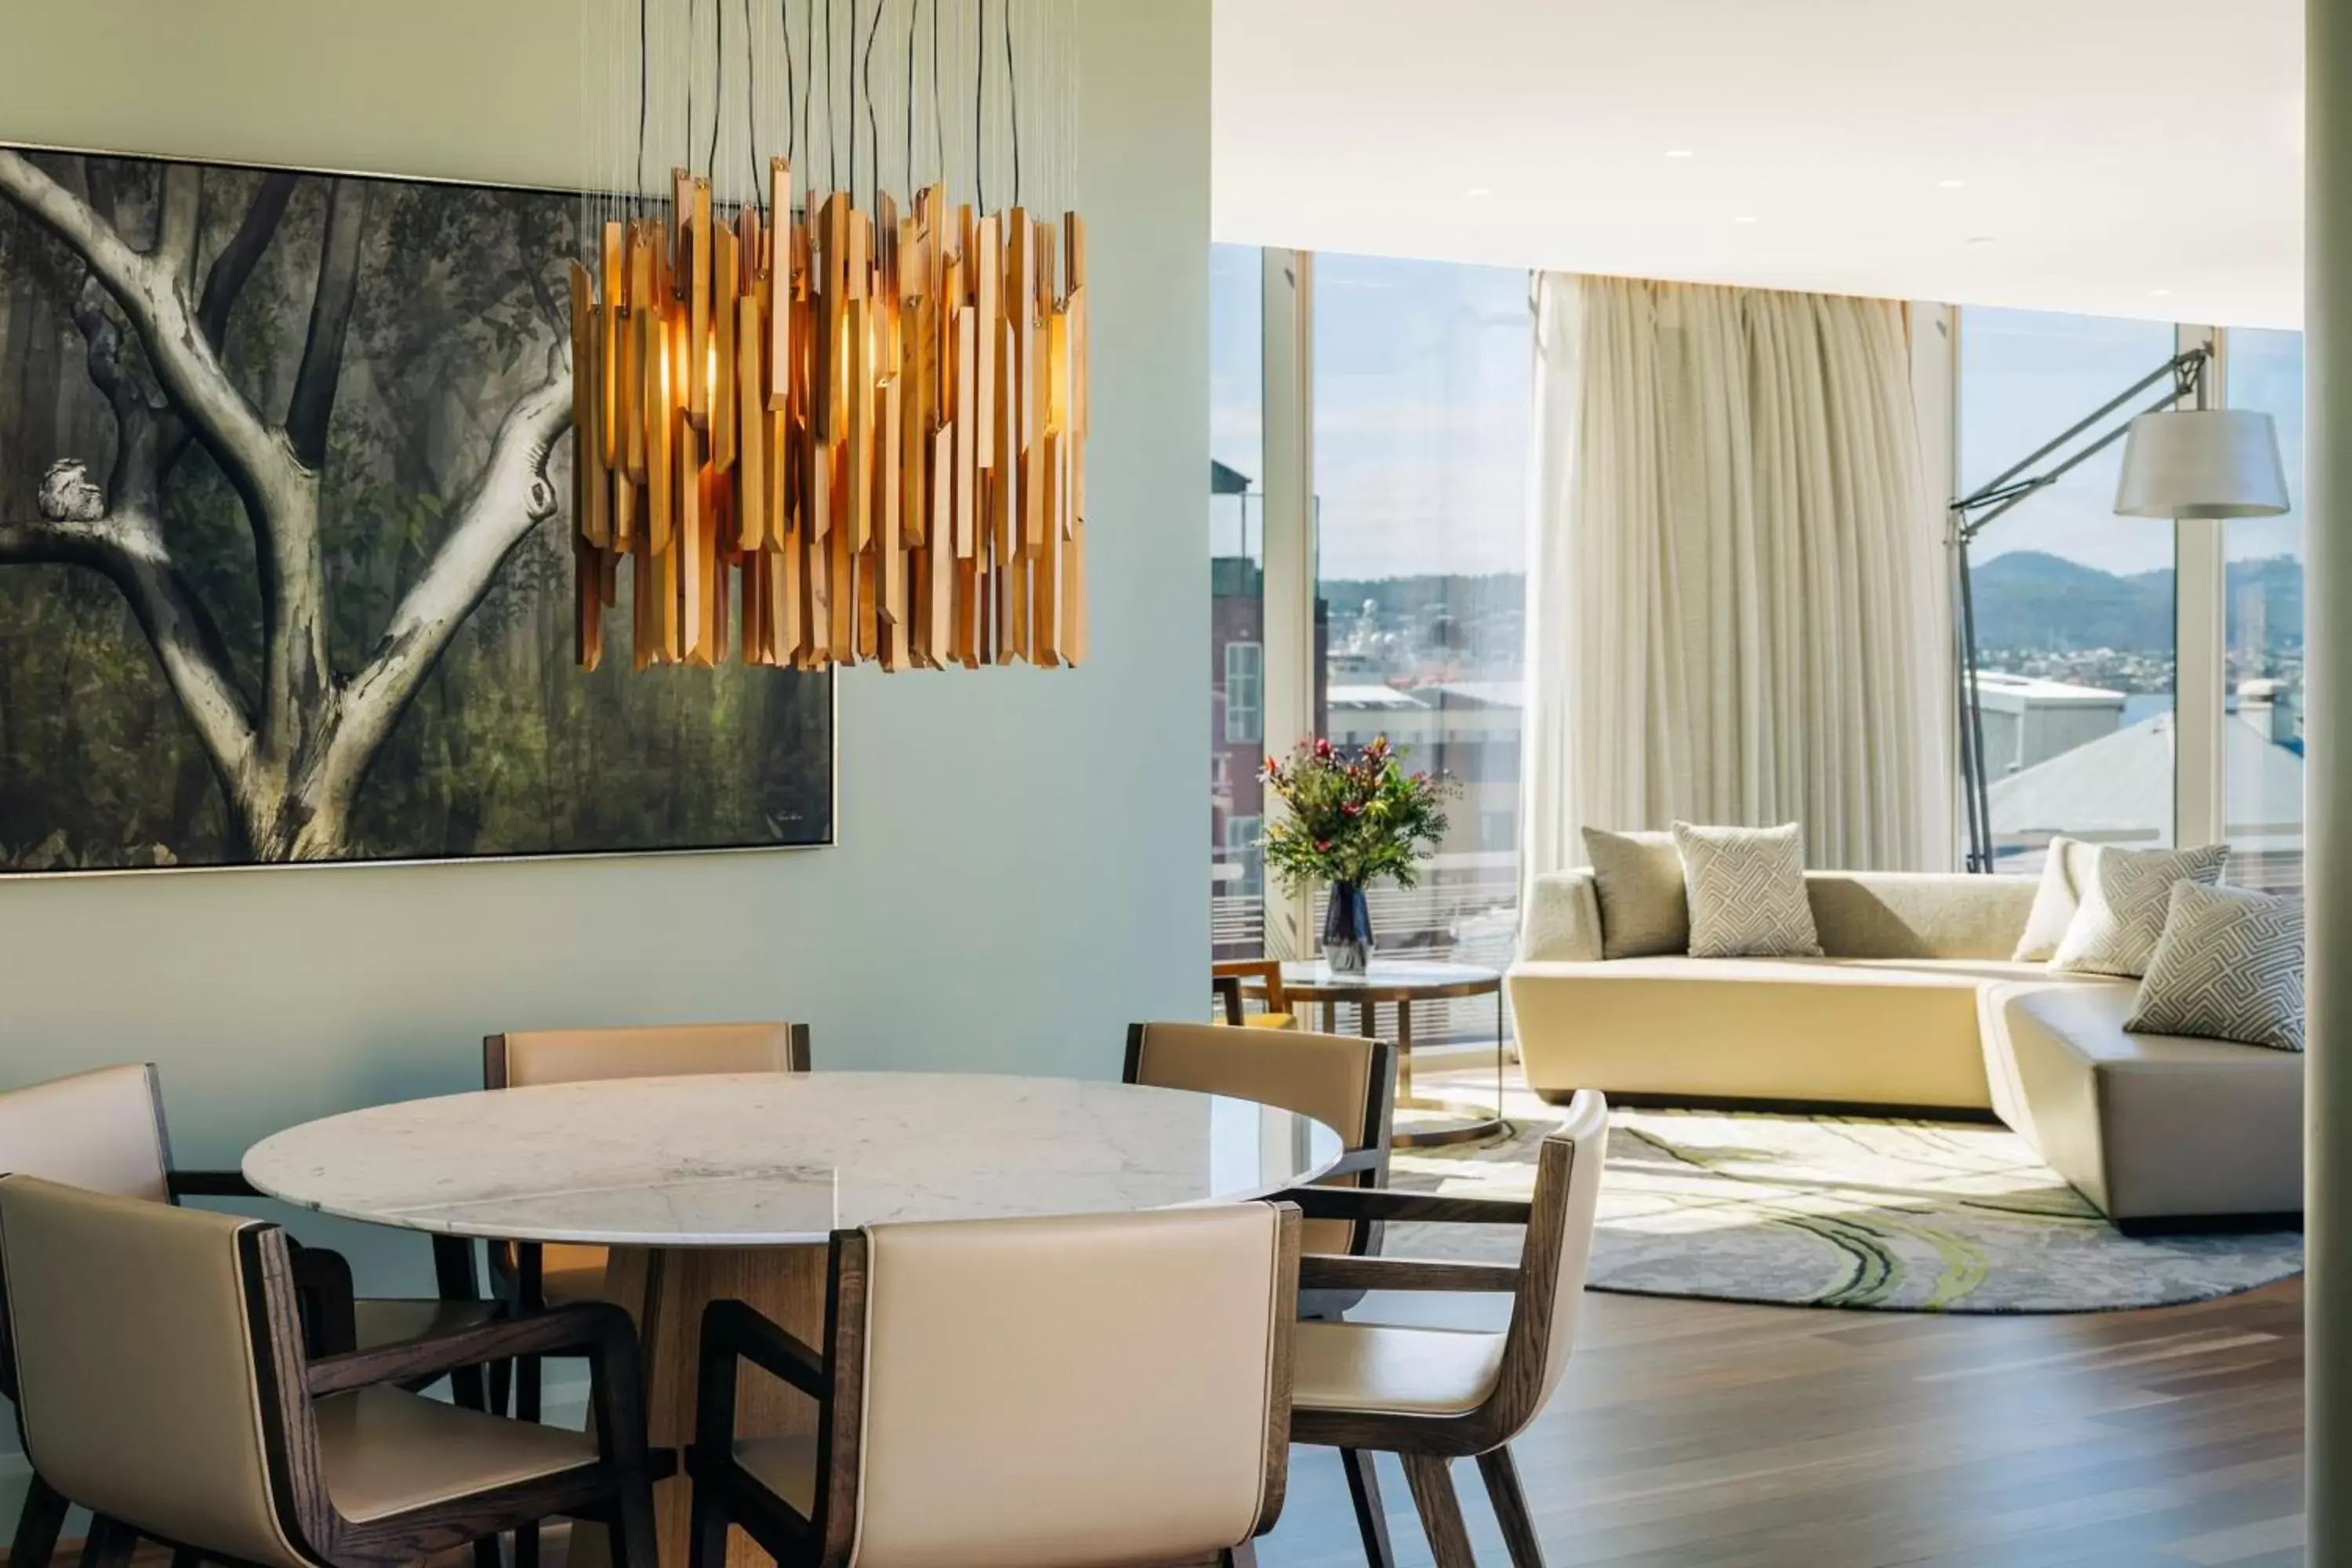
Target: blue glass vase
1346	930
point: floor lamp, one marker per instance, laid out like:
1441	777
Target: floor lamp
2179	462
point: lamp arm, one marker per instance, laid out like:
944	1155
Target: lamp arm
1992	500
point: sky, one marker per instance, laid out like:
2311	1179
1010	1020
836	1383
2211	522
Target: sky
1424	381
1423	378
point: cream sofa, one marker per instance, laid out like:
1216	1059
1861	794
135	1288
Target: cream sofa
1918	1008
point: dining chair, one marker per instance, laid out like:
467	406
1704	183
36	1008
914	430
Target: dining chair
103	1131
530	1277
1431	1396
1065	1393
163	1384
1226	976
1344	1081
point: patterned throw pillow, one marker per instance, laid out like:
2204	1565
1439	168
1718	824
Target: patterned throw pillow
2228	967
1746	892
1639	879
2065	869
2125	897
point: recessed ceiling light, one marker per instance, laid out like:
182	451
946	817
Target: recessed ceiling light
1477	192
1979	239
1678	152
1743	218
1950	185
2158	294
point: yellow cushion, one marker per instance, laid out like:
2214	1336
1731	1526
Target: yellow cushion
1271	1021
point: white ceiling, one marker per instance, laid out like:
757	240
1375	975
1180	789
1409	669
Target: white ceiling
2118	157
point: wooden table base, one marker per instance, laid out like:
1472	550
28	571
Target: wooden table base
666	1290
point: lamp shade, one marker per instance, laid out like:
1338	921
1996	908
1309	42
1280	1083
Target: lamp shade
2201	462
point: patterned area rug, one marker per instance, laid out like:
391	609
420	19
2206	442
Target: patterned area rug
1915	1217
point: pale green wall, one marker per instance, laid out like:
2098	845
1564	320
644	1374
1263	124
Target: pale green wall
1020	865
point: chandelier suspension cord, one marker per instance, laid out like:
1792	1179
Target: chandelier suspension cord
832	141
718	81
1012	91
873	127
939	118
645	90
914	15
686	154
979	106
751	109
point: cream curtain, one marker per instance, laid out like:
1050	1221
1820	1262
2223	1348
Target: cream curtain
1736	603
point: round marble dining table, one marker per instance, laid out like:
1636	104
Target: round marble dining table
708	1188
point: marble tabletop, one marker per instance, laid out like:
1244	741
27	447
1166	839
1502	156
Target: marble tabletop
780	1158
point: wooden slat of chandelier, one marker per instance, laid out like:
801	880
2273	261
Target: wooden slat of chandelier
838	438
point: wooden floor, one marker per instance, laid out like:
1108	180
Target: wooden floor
1709	1436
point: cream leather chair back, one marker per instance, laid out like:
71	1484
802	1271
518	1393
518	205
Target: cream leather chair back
153	1304
527	1057
102	1130
1071	1393
1344	1081
1550	1301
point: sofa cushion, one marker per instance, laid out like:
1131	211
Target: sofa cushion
2228	967
2125	897
1638	877
1746	890
1916	914
2065	868
2147	1126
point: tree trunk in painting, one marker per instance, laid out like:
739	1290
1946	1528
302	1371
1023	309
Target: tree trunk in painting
292	745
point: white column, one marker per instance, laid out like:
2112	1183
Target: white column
2327	611
1289	586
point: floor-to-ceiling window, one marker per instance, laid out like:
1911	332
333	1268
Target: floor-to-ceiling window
2074	605
1422	375
2261	751
1237	569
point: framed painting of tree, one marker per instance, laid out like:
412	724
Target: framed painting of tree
285	559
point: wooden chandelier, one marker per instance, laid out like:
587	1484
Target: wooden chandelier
824	437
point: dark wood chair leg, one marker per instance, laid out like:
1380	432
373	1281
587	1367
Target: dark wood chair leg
1432	1481
1241	1556
501	1386
36	1541
706	1545
1371	1519
489	1554
184	1558
108	1543
1511	1508
526	1401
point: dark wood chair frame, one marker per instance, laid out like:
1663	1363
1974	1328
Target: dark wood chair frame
725	1493
1427	1443
326	1312
615	1489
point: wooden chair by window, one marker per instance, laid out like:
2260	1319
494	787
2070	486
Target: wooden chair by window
1431	1396
1226	977
1056	1393
103	1131
530	1277
187	1412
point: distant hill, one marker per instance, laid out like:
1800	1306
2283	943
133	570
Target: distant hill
2030	600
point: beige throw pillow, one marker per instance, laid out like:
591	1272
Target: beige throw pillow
1639	879
2063	874
2126	896
2228	967
1746	892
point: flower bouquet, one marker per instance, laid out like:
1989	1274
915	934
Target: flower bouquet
1351	817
